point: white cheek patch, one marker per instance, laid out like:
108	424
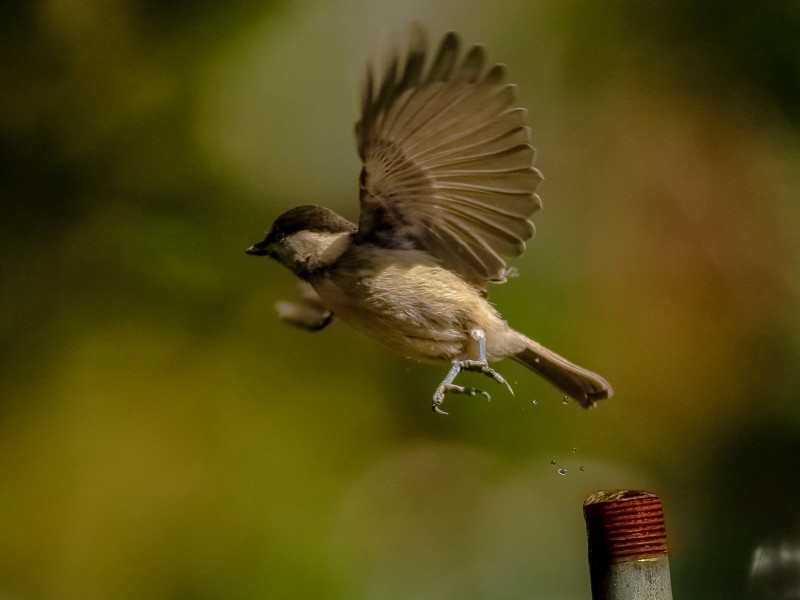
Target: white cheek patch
314	246
335	247
299	244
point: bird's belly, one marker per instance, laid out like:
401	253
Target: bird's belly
415	323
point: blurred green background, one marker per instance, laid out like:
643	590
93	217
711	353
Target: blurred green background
162	435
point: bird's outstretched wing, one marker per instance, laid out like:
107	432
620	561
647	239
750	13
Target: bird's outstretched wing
448	167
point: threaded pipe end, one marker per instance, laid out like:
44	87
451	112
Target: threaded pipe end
624	525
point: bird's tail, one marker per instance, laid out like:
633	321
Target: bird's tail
578	383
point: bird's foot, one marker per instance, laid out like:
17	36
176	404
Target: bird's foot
479	366
450	388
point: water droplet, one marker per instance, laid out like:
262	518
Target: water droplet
565	400
581	468
536	360
562	471
534	402
552	462
574	450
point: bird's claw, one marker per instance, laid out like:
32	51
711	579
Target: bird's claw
481	367
451	388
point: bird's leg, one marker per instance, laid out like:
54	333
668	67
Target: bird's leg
447	386
481	365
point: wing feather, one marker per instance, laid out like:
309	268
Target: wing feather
448	165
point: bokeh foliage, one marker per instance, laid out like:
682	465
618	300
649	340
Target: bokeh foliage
162	435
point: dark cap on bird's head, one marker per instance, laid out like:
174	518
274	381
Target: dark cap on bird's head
302	218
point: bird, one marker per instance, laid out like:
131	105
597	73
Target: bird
447	190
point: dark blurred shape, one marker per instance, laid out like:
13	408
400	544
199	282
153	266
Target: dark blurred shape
202	19
751	495
775	571
749	50
750	43
628	557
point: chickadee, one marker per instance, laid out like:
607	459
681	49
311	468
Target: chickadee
447	190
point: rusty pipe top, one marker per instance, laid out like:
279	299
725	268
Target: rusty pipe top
625	525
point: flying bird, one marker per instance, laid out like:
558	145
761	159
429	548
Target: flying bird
447	190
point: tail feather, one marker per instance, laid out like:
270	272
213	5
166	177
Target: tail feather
578	383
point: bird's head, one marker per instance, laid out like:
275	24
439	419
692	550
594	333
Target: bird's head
306	239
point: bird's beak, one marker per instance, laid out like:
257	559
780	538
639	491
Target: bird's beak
260	249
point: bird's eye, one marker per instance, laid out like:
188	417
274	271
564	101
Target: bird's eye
278	237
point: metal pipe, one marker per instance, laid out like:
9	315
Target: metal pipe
628	557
